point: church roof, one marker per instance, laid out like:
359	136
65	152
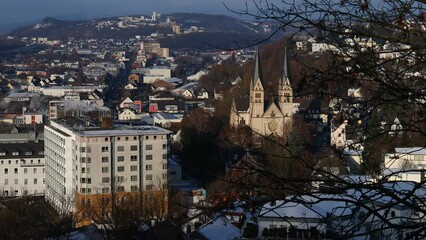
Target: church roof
285	77
242	104
257	68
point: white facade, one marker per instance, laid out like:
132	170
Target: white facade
21	169
408	164
153	74
95	161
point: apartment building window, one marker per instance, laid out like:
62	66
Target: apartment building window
35	180
148	167
82	149
105	190
148	177
164	146
120	189
89	149
88	170
104	149
6	171
120	169
104	159
148	157
16	170
89	180
133	168
133	188
164	176
148	147
83	190
83	170
89	191
118	138
105	180
16	181
6	182
120	179
133	178
25	181
164	165
89	160
135	138
149	187
83	159
133	148
146	137
133	158
120	148
83	180
34	170
120	159
105	169
165	156
106	139
155	137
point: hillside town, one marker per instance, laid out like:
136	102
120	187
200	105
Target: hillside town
136	138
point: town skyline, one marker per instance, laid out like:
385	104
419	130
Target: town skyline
15	14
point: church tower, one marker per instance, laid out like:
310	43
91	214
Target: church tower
285	92
257	98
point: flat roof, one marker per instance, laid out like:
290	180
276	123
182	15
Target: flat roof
411	150
78	127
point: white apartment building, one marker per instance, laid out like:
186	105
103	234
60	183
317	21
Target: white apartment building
88	162
407	164
21	169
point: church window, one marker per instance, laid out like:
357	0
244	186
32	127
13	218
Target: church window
273	113
258	95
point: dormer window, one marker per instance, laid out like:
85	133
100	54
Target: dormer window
15	153
41	153
2	154
28	153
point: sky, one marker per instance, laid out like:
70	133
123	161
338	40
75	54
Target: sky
19	12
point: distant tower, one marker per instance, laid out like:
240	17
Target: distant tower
154	16
285	92
257	98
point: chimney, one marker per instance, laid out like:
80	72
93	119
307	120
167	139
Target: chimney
106	123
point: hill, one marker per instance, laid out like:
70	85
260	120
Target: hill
216	31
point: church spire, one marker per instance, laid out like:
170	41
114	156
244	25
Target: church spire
257	68
285	78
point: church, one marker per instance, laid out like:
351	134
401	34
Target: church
264	116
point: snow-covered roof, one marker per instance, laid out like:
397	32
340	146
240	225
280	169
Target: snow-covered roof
315	206
411	150
219	228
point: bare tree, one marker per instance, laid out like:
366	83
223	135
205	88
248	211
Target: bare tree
373	69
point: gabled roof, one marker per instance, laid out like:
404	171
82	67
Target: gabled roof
271	107
219	228
242	104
